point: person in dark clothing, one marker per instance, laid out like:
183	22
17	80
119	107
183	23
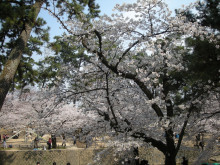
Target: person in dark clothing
201	144
74	140
36	140
144	162
197	140
54	141
185	161
68	164
136	155
49	143
54	163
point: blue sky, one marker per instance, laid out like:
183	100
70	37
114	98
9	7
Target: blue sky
106	7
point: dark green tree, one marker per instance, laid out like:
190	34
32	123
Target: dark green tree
208	14
65	54
18	20
29	15
203	61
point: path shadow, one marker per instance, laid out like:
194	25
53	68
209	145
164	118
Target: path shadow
6	157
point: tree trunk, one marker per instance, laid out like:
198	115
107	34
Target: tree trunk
170	159
11	65
170	154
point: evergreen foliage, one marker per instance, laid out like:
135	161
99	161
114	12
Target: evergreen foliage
18	19
14	16
204	57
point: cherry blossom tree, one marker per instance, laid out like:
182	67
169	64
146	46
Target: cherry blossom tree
207	122
38	110
134	79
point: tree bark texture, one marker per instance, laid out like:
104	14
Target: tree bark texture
170	159
11	65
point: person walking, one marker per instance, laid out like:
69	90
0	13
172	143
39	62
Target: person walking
74	140
49	142
197	140
28	137
4	142
36	142
64	140
185	161
144	162
54	141
201	144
